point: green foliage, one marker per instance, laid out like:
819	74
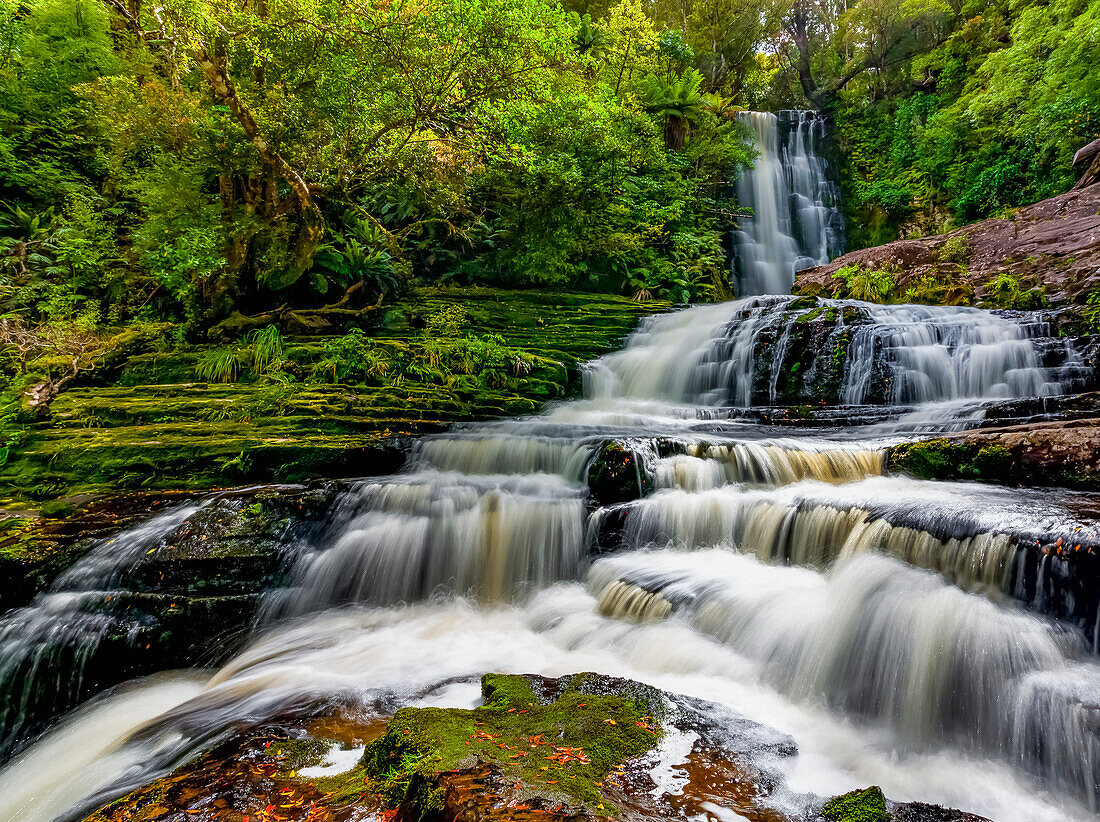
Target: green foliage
259	355
983	117
940	289
867	284
565	150
265	348
1091	313
447	322
350	359
221	365
677	103
1007	290
867	805
955	250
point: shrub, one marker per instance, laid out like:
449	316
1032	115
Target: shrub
221	365
265	348
871	285
940	289
955	250
1007	290
447	322
1091	313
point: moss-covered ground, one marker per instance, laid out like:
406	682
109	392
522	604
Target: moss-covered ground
154	423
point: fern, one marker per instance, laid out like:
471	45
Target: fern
870	285
221	365
265	348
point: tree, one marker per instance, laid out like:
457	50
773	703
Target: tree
829	46
678	104
307	101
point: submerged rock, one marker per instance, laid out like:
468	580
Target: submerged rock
618	473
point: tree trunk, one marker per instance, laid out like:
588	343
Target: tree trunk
675	133
1092	173
312	230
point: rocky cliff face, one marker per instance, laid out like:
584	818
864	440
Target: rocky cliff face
1055	242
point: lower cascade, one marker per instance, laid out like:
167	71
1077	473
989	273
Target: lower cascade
931	637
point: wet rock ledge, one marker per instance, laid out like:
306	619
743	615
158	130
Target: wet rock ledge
580	747
1064	454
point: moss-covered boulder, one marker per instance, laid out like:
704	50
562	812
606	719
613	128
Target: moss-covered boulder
1063	454
555	741
943	458
867	805
870	805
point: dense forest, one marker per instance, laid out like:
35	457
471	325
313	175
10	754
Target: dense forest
193	159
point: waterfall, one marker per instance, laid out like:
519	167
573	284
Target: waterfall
947	361
934	638
877	639
64	626
795	223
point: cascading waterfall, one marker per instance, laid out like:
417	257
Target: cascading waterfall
63	627
877	639
785	574
944	365
795	223
402	540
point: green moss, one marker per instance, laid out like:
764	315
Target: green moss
942	458
20	539
867	805
561	748
147	422
345	787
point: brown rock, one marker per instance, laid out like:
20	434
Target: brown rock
1056	241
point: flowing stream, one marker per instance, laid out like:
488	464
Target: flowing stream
906	633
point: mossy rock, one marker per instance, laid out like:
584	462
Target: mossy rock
867	805
144	420
942	458
555	739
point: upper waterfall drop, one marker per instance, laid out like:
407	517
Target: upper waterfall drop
795	222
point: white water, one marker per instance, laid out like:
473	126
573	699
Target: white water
364	655
64	625
795	223
755	578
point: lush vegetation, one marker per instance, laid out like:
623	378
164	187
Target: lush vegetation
197	159
200	157
977	112
228	178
